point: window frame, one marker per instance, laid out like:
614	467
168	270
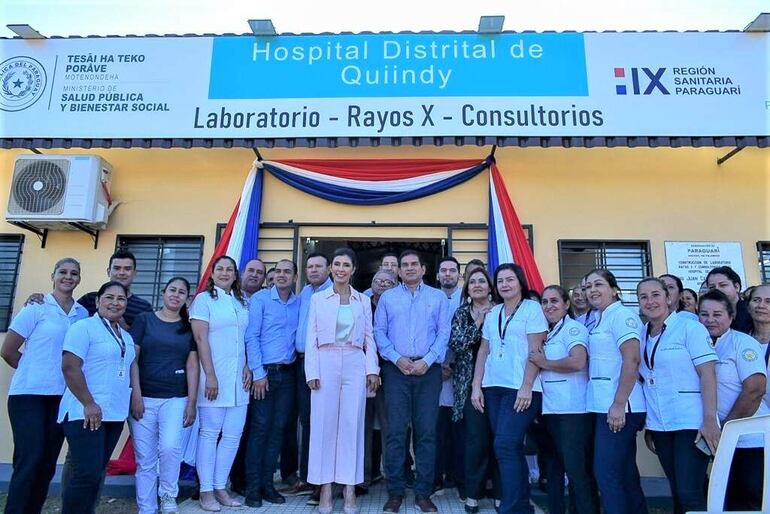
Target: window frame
155	299
763	249
643	245
8	310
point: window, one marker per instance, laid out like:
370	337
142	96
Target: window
629	261
158	258
10	258
763	247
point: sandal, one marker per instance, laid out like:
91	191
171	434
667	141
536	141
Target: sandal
225	499
209	503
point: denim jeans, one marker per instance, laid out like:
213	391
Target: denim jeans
615	465
509	428
37	441
573	437
268	419
411	398
90	452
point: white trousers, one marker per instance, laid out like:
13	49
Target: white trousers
158	448
213	460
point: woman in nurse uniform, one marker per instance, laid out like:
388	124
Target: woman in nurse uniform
37	386
678	368
615	395
759	308
564	373
219	318
741	382
96	357
340	366
507	384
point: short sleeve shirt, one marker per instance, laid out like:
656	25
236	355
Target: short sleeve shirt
227	319
106	373
671	382
564	393
163	356
615	325
740	357
43	327
508	344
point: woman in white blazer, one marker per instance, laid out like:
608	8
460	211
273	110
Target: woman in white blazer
340	365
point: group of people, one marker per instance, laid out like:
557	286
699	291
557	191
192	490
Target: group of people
253	369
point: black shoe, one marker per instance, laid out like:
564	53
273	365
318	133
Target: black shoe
471	510
362	490
269	494
253	501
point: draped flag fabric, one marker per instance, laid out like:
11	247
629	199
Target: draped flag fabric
506	240
375	182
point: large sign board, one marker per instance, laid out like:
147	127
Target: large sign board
692	260
512	84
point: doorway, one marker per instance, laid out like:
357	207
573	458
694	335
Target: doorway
370	252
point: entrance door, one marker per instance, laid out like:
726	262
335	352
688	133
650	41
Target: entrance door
369	254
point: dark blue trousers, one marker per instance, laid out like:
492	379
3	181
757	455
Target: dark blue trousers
615	465
509	428
744	485
478	453
37	441
411	399
573	438
267	422
90	452
685	467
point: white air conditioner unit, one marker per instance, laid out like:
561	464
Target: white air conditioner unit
58	192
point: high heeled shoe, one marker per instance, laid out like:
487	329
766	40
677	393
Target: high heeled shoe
325	510
350	510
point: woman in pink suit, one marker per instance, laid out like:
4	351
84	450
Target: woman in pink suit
341	365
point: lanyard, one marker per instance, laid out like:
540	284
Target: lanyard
501	330
767	356
554	333
117	337
650	361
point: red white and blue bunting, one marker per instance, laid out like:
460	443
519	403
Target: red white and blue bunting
368	182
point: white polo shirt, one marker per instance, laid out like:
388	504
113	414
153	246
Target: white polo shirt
508	345
106	372
564	393
43	327
227	319
671	383
615	325
740	356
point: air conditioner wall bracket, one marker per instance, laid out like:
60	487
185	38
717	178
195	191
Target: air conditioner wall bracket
90	231
40	233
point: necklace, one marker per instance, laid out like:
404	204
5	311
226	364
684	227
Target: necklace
163	317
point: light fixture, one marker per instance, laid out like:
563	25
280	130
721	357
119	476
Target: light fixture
262	27
761	24
25	31
491	24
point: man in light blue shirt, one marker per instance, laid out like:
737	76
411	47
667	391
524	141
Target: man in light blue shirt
411	330
317	273
270	350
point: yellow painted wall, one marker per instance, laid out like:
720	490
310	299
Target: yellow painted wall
635	194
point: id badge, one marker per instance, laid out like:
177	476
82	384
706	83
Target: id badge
651	378
122	370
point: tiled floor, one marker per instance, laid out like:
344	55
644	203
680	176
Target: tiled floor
370	504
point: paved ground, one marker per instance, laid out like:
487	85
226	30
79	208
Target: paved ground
370	504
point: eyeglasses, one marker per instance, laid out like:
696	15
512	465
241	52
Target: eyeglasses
384	282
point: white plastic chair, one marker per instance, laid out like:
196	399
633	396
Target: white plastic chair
720	471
